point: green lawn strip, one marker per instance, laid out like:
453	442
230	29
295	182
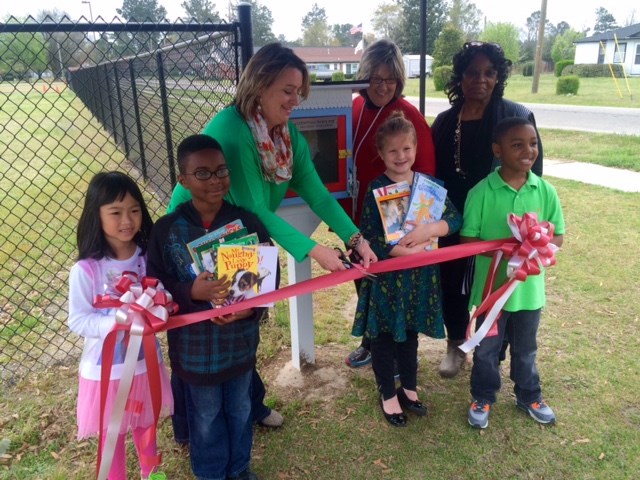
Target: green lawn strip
600	92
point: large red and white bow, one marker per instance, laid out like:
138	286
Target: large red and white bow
528	255
143	307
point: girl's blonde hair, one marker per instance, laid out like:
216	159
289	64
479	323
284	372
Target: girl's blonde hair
383	52
396	124
260	73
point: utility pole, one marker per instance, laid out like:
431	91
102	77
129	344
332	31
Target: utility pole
538	60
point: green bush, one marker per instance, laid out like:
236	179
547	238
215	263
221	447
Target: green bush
349	76
337	77
567	85
441	76
313	77
559	67
588	70
527	69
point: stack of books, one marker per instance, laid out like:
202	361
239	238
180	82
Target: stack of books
402	206
231	252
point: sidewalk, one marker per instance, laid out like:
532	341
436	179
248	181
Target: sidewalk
615	178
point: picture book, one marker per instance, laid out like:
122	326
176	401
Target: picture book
267	270
392	202
210	238
239	264
426	203
207	253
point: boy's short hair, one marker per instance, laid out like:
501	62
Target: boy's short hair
506	124
193	144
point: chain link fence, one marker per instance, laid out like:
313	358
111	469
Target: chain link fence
77	99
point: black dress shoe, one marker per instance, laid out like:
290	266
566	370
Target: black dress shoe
395	419
416	407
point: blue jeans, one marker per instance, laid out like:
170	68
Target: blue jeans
520	329
259	411
220	429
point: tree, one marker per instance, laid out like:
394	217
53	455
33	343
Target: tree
200	11
447	45
64	49
563	47
139	11
142	10
533	23
407	34
386	19
341	35
262	22
21	52
604	21
466	17
506	35
315	31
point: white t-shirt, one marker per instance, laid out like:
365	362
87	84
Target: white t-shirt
87	279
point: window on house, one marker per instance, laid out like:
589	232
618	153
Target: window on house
621	50
637	60
601	54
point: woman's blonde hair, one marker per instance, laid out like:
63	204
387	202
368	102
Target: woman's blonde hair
260	73
383	52
395	124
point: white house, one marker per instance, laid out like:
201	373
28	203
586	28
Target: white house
615	46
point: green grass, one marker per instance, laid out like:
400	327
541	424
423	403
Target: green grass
588	358
600	92
589	339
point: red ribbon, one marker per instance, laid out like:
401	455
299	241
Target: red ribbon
531	251
154	304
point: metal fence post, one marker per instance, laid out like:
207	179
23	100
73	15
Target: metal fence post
136	110
246	32
114	130
125	139
165	116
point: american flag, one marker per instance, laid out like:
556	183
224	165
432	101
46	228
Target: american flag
356	29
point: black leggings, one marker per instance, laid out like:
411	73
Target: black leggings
383	350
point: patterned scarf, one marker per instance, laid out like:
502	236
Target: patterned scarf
276	155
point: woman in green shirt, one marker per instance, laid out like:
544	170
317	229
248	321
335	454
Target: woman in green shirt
267	155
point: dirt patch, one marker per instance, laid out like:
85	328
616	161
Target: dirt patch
329	378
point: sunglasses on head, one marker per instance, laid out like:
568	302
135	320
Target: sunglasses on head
482	44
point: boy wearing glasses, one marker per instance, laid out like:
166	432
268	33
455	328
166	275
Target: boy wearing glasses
213	359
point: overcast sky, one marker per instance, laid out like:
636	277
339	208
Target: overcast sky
288	14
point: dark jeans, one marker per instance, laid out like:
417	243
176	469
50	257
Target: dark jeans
220	429
259	411
520	329
383	350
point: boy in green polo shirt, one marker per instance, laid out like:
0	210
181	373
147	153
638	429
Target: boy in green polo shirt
511	188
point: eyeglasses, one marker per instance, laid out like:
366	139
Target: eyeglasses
205	175
380	81
482	44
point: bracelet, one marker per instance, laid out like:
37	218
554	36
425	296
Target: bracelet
356	240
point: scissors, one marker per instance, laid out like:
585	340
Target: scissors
349	264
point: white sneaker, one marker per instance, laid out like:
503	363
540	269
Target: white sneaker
273	420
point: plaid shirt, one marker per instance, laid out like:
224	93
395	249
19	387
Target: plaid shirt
202	353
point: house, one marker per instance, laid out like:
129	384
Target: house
330	59
615	46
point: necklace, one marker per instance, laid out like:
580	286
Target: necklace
457	141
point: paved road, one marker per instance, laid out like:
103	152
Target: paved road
566	117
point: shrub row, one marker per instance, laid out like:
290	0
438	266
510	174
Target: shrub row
593	70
